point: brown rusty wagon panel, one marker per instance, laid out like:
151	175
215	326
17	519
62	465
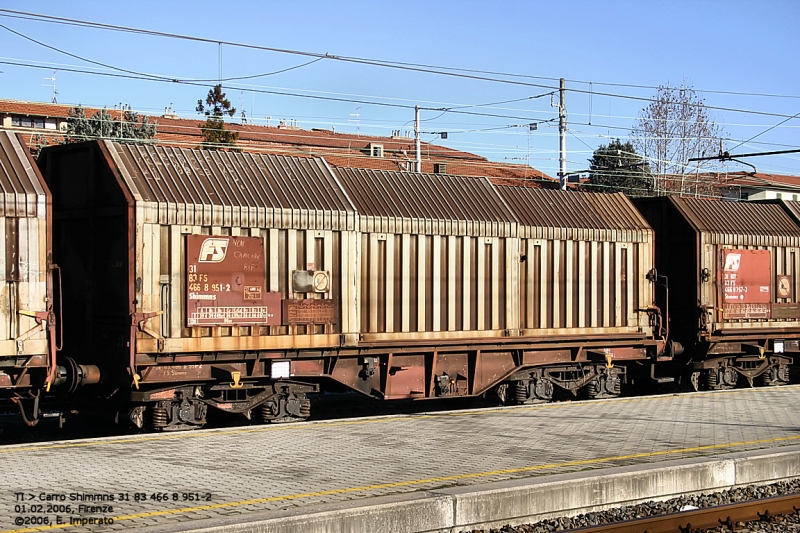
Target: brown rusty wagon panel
586	257
289	212
26	359
438	255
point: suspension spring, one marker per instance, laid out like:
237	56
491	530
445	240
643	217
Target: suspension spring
521	391
711	379
159	417
305	408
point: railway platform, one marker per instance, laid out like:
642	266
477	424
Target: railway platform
446	471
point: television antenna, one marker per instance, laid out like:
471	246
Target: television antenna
241	106
357	120
53	85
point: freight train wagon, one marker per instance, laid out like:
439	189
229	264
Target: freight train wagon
468	288
243	282
585	281
27	356
730	272
192	278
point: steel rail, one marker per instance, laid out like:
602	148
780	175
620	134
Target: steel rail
710	517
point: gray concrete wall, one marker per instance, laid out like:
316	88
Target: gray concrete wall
521	501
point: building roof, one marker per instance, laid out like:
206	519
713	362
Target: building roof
759	180
338	149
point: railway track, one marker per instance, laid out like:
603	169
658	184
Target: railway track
730	517
763	515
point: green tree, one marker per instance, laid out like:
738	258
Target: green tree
617	167
135	127
215	108
78	126
38	142
130	127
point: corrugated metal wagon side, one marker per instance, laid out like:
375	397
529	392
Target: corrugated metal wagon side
584	285
450	292
735	263
27	357
213	268
438	260
436	255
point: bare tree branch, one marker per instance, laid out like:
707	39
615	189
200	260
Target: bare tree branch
673	128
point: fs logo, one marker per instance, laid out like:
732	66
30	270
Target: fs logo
732	262
213	251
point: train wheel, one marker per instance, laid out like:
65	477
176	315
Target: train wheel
607	385
722	378
286	407
535	390
178	415
774	376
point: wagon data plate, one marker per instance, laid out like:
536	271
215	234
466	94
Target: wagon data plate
225	282
746	283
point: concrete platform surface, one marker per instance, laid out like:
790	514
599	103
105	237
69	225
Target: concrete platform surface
427	472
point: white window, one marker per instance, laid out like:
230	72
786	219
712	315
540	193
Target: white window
34	122
375	150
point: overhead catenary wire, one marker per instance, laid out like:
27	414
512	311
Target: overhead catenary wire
385	104
263	91
83	23
766	130
452	109
365	61
156	76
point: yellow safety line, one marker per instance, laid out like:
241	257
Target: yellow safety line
381	420
415	482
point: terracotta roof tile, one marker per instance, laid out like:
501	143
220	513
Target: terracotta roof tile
339	149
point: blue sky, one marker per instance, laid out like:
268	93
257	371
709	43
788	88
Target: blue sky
719	47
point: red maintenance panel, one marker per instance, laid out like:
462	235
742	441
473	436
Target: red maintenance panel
225	282
746	278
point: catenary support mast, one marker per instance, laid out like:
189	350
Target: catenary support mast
562	137
418	163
